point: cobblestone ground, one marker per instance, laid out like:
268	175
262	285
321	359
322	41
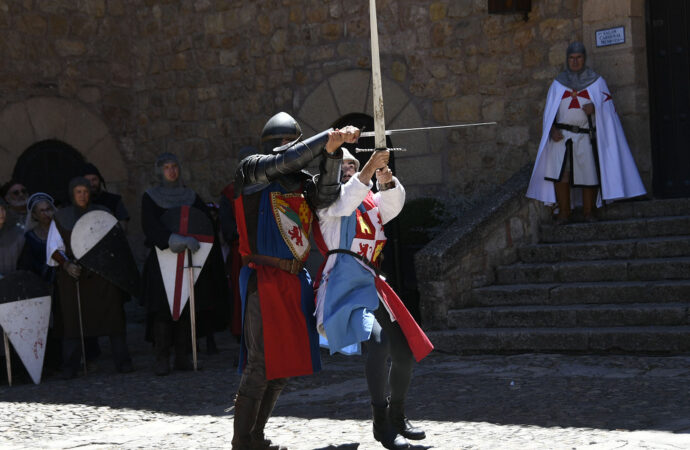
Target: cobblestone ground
529	401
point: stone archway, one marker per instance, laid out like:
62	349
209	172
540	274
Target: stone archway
350	92
54	119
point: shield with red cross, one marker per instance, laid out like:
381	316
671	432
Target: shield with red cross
294	217
187	221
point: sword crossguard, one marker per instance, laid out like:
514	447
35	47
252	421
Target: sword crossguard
369	150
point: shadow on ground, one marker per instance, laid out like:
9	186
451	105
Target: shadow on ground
445	388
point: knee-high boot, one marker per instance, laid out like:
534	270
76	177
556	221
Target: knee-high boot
401	424
563	199
384	432
265	409
246	410
183	344
161	344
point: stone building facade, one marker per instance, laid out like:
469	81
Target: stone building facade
121	81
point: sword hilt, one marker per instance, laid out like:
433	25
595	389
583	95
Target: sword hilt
369	150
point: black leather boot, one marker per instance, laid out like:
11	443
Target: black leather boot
246	410
161	347
183	345
265	409
403	426
384	432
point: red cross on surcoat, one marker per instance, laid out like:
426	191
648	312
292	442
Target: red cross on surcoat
574	103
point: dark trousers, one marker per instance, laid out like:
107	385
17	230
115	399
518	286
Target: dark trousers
387	340
71	352
253	383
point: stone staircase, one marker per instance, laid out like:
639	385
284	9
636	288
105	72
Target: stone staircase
618	285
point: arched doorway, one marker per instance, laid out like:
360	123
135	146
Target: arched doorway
48	166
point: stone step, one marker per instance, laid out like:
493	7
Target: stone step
583	292
655	247
601	270
645	208
632	228
645	339
570	316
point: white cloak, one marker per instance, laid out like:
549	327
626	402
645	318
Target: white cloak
619	175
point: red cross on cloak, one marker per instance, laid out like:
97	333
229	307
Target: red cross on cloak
574	103
607	96
179	269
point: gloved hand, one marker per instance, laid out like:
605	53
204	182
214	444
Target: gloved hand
179	243
73	270
192	243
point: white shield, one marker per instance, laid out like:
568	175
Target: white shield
26	324
175	273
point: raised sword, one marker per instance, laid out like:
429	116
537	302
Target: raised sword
380	131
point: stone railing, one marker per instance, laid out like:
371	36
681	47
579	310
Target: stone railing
465	255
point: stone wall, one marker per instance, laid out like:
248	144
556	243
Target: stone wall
200	78
464	256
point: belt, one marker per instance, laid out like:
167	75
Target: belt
366	262
292	266
573	128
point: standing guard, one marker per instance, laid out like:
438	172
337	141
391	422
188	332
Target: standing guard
173	328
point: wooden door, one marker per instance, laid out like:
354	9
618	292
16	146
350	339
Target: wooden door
669	85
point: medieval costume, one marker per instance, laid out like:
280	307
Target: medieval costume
355	304
15	195
101	302
210	288
231	251
274	204
594	153
11	242
36	235
100	196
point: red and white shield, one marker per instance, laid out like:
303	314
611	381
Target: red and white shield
187	221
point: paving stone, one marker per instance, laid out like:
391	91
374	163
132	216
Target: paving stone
532	400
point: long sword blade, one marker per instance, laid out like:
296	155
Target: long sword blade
366	134
377	91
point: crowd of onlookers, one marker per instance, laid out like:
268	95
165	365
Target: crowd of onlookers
34	237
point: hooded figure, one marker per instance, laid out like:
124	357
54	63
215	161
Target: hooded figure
14	193
40	210
100	301
100	196
583	147
211	286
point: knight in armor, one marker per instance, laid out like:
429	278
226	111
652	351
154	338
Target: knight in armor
101	302
583	146
210	287
274	204
100	196
355	304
